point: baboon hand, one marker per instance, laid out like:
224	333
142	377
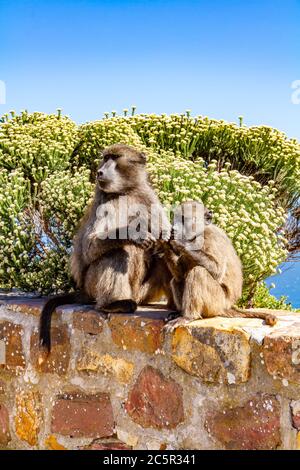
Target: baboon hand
177	245
145	240
92	239
91	236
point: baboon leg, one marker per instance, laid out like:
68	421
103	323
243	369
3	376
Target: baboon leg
203	296
156	284
154	292
176	319
109	282
177	291
169	294
171	305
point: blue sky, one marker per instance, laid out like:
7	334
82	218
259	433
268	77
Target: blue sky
219	58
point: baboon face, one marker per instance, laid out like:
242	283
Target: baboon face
190	220
208	216
122	168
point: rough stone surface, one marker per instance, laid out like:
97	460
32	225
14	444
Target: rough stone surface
28	417
255	425
4	426
282	353
51	443
213	350
58	360
79	415
28	306
128	437
91	361
137	333
88	321
127	382
11	345
155	401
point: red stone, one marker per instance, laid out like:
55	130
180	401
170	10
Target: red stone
59	357
11	336
253	426
155	401
88	321
81	415
281	355
4	426
137	333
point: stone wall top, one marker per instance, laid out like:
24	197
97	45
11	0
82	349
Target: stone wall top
125	380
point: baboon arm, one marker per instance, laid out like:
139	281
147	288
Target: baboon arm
87	249
97	244
94	247
171	260
199	258
77	269
172	264
208	262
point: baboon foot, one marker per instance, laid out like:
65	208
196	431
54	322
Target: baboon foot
173	315
120	306
176	322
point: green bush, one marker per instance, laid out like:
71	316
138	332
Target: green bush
262	152
263	298
249	177
37	144
42	197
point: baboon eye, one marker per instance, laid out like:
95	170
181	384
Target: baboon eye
110	157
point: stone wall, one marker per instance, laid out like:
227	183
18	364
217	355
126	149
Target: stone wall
125	382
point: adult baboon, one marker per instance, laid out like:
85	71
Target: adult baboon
109	262
207	281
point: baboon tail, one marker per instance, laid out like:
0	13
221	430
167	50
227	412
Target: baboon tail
269	318
46	315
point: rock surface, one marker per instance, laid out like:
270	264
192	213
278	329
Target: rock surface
215	350
155	401
255	425
128	383
78	415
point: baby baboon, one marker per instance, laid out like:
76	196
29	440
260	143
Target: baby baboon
109	263
207	281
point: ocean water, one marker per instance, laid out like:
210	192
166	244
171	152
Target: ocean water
287	283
